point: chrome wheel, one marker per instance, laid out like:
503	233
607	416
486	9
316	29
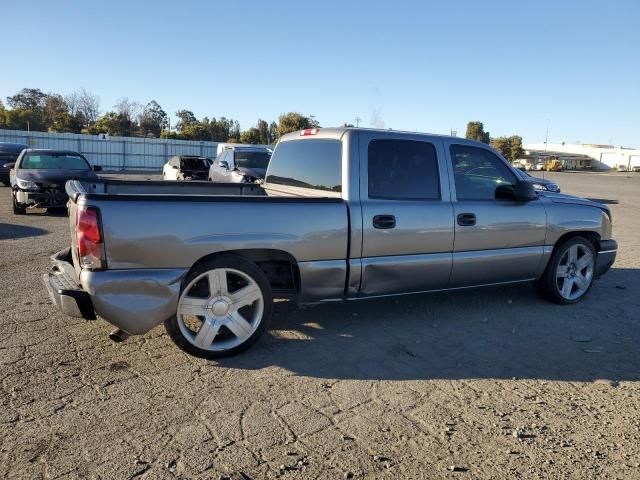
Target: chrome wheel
220	309
574	273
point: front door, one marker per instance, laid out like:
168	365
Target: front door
222	174
406	212
496	240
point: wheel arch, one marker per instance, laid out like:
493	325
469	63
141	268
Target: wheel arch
280	267
593	237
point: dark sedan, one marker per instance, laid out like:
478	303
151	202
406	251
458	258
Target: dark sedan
39	177
539	183
9	153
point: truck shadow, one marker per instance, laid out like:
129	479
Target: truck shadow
8	230
499	333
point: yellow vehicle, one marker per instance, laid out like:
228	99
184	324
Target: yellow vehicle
553	164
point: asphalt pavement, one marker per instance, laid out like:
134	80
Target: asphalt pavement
489	383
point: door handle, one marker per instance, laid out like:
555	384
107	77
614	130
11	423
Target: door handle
466	219
384	222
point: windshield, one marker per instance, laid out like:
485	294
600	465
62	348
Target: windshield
195	163
252	159
54	161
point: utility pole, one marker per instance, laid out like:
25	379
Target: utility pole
546	144
357	120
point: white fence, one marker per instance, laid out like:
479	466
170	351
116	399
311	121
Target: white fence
114	153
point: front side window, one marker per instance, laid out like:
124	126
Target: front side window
221	158
403	170
478	172
313	164
54	161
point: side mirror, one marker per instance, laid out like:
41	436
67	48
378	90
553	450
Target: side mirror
9	165
97	168
224	164
522	191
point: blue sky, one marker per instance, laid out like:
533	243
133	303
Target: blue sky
426	66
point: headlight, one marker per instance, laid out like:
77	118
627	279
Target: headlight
26	184
538	186
553	187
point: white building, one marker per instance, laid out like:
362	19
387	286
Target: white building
604	157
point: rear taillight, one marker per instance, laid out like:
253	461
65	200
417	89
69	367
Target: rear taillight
89	237
309	131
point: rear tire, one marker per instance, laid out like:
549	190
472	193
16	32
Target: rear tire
224	307
17	208
570	273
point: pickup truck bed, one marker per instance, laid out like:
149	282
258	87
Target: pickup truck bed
154	232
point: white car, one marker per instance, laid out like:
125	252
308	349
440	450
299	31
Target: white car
186	167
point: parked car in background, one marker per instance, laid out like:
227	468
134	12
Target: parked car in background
186	167
343	214
240	165
538	183
9	153
38	178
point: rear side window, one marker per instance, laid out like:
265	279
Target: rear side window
403	170
313	164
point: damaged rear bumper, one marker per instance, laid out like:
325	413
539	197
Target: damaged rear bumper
64	288
134	300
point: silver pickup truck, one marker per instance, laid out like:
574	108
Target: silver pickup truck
343	214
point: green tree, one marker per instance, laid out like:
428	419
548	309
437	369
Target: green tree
510	147
475	131
28	99
503	146
189	128
28	110
293	121
264	136
251	136
113	123
153	119
273	132
223	129
57	116
65	123
21	119
516	148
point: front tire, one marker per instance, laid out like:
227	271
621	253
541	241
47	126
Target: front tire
224	307
570	272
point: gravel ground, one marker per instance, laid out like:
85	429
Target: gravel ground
491	383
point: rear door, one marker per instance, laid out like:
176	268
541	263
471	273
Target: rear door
496	240
407	214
